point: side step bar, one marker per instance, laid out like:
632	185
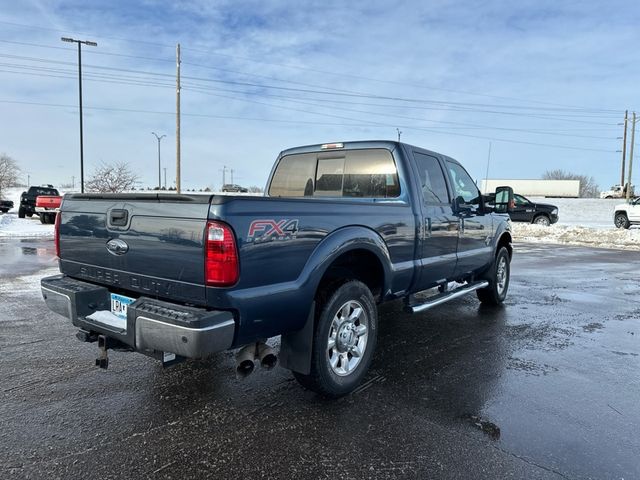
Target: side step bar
445	297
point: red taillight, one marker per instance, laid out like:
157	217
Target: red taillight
221	262
56	233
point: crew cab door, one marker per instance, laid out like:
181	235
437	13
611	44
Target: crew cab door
523	210
438	242
476	227
634	211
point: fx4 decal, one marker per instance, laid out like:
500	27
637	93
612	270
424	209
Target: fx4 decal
271	229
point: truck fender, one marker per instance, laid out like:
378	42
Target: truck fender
503	232
342	241
296	347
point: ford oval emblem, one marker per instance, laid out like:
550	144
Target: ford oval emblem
117	246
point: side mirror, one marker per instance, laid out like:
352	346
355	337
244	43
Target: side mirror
504	199
462	206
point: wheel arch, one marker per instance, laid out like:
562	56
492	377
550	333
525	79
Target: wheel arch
350	253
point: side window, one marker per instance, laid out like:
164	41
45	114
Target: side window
463	185
294	176
432	182
520	200
370	174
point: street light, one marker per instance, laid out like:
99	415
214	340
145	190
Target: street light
91	44
159	138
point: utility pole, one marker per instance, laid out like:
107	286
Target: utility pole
224	175
28	180
159	138
399	133
73	182
232	175
178	118
633	134
624	146
91	44
165	177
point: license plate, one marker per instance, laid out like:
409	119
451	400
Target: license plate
119	305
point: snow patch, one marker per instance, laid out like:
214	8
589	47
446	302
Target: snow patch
12	226
577	235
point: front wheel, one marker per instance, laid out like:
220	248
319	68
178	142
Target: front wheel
498	276
344	340
21	212
621	220
542	220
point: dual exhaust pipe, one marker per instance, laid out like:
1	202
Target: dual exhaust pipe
248	355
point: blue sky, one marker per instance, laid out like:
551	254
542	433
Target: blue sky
546	82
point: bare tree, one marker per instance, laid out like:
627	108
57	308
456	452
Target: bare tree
8	171
588	186
111	178
255	189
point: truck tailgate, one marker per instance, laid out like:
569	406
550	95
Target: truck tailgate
149	244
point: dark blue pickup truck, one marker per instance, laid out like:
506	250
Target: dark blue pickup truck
342	228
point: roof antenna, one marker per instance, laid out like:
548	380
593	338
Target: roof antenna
399	133
486	175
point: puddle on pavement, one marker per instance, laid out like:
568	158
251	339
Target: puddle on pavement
22	256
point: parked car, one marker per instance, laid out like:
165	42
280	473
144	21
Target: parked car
524	210
28	199
341	229
232	187
627	214
5	205
47	206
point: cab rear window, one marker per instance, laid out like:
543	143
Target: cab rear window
367	173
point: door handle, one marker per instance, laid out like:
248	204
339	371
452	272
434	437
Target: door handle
118	218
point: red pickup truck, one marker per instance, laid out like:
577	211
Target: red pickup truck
47	206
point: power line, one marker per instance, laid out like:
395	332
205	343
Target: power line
129	80
458	124
557	106
296	122
319	92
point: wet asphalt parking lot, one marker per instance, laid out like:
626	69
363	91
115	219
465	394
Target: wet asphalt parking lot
546	387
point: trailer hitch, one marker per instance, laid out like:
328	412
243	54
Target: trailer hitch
103	357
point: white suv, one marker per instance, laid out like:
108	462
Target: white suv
627	214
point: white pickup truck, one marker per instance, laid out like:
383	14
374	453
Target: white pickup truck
627	214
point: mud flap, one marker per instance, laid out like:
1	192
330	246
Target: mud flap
296	347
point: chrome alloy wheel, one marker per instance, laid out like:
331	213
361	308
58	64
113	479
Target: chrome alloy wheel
501	275
347	339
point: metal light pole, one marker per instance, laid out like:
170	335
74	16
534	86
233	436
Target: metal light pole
91	44
159	169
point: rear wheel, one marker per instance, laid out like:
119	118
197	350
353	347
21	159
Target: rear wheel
498	276
621	220
542	220
20	212
344	340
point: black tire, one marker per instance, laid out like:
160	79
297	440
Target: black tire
20	212
621	220
341	378
44	218
542	220
29	214
496	292
4	210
